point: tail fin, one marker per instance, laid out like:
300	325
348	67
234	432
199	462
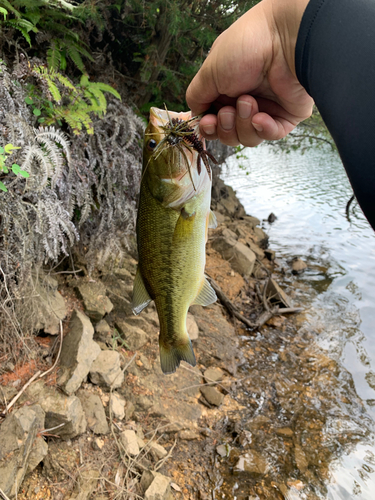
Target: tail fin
171	356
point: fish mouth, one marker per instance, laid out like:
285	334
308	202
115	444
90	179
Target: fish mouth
162	117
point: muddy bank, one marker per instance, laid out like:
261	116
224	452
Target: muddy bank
262	415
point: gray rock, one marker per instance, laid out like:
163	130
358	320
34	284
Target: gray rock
276	294
227	233
140	322
78	352
102	331
254	247
117	406
298	265
66	410
251	221
106	370
219	217
230	205
94	412
261	237
86	485
192	327
188	435
118	289
241	258
213	374
17	437
155	486
300	458
270	254
50	306
252	462
38	452
135	338
95	300
123	274
212	395
223	450
129	442
157	451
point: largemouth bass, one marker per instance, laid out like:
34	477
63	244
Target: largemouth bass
173	219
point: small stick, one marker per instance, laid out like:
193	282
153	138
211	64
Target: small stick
34	377
3	495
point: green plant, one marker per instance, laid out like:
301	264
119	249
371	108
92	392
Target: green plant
5	152
118	341
59	99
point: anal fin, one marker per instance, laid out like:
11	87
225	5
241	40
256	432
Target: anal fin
141	297
212	222
206	295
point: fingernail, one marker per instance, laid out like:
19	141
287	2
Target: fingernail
227	120
209	129
257	127
244	109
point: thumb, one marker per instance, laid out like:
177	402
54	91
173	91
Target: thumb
202	91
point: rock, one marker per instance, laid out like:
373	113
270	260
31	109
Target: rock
140	322
68	411
102	331
50	306
130	443
298	265
118	290
155	486
261	237
17	437
213	374
251	462
212	395
300	458
117	406
251	221
106	370
241	258
135	338
276	294
38	452
188	435
270	254
123	274
94	411
157	451
227	233
129	410
78	352
192	327
219	217
284	431
256	249
95	300
230	206
97	444
86	485
223	450
271	218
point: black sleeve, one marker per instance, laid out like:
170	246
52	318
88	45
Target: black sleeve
335	62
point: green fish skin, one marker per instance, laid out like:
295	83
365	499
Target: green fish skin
173	219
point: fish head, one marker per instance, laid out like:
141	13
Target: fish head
169	160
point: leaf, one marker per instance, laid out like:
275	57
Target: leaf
37	112
4	12
16	168
9	148
2	187
54	56
24	174
2	151
29	100
107	88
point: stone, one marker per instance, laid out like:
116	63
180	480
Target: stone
117	406
212	395
102	331
270	254
227	233
298	265
223	450
252	462
94	411
66	410
135	338
192	327
130	443
50	306
155	486
157	451
276	294
95	300
213	374
284	431
251	221
38	452
78	352
106	370
141	322
230	206
271	218
256	249
97	444
17	437
118	289
261	237
300	458
219	217
241	258
123	274
86	484
188	435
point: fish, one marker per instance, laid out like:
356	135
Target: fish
172	224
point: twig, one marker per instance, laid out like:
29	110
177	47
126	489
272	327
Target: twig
9	406
58	354
3	495
201	375
163	460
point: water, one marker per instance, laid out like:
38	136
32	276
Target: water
308	194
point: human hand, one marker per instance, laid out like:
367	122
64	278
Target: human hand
249	78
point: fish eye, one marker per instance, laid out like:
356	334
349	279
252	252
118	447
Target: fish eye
151	145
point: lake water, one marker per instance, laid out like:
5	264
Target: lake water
308	193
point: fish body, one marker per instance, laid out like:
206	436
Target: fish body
173	218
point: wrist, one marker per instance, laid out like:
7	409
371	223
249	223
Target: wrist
286	16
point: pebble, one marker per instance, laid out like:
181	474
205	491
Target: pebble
212	395
130	443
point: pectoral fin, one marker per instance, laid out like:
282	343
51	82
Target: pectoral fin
206	296
212	222
141	297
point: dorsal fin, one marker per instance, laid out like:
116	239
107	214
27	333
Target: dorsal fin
141	297
206	296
